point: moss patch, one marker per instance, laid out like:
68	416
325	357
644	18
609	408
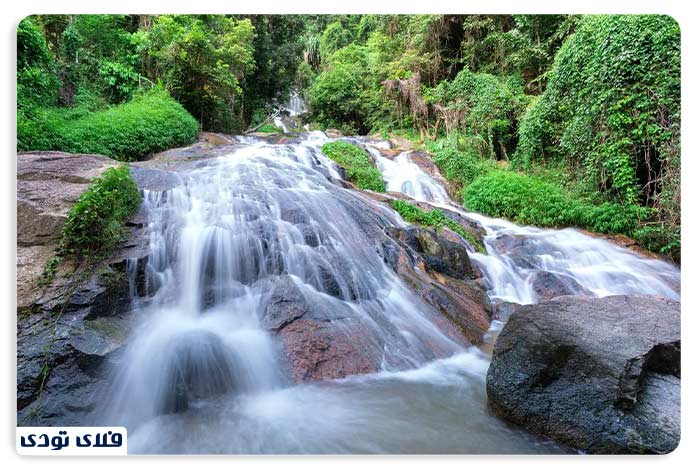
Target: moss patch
357	163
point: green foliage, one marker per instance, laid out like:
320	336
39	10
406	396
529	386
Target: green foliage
481	105
277	46
334	37
521	198
460	158
660	238
612	105
36	80
611	111
121	80
304	76
530	200
95	222
149	123
269	128
357	163
202	61
50	270
341	96
436	218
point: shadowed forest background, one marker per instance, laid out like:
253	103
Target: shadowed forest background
549	120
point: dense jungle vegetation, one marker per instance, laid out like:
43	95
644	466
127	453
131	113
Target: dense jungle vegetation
551	120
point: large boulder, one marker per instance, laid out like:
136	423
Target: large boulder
322	338
67	330
48	184
600	375
440	272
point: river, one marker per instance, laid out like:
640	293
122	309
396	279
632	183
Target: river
201	373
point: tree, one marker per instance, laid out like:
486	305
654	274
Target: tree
202	61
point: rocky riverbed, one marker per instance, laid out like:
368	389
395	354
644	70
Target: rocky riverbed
597	374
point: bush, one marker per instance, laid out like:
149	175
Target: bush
269	128
460	160
611	108
358	165
530	200
660	238
484	106
149	123
95	222
36	76
334	37
435	218
522	198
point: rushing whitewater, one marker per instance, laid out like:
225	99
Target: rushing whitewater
515	253
201	373
219	243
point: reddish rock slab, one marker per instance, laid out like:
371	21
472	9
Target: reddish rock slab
318	350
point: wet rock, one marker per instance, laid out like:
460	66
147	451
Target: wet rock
401	143
68	330
319	350
442	255
294	214
503	310
458	299
426	163
514	245
547	285
286	304
600	375
216	139
155	179
61	359
48	184
199	367
389	152
321	336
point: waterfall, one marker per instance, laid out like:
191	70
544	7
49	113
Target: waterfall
221	242
203	373
515	253
290	112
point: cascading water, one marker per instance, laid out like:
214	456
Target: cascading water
515	253
288	117
202	375
220	243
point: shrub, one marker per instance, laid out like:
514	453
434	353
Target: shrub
435	218
660	238
521	198
269	128
334	37
612	107
357	163
530	200
149	123
481	105
459	159
36	76
95	222
343	95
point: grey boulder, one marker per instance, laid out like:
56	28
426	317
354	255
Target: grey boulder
599	375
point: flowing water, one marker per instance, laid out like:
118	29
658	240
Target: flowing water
515	253
288	118
202	375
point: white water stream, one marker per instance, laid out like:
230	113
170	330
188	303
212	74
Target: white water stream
600	267
202	375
